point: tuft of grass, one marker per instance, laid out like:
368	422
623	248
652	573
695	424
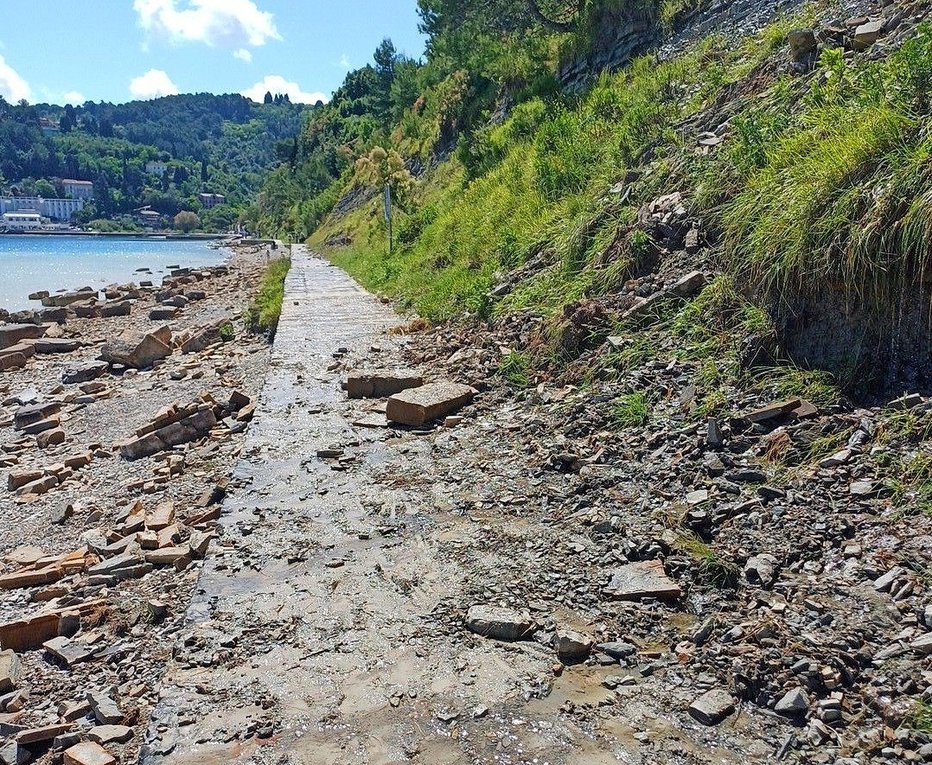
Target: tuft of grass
515	368
712	568
920	718
266	307
632	410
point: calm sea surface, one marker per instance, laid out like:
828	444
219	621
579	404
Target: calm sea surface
33	263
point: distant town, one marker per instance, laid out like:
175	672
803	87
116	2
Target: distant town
36	214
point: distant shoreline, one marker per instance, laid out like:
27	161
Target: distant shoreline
119	235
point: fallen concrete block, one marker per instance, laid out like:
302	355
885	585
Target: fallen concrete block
380	384
417	406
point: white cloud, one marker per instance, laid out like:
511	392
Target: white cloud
74	97
231	24
274	84
152	84
243	55
12	87
345	63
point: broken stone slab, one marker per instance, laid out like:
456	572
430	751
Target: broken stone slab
922	644
41	486
774	410
115	308
688	286
168	556
794	703
500	623
27	415
27	349
866	35
110	734
188	429
11	334
31	578
105	709
712	706
50	438
109	566
162	517
572	646
418	406
85	373
10	671
10	361
380	384
56	345
29	634
35	428
163	313
45	733
88	753
15	481
645	579
137	352
67	652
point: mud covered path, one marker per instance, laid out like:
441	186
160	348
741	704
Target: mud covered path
327	624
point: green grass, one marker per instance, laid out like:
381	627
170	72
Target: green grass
266	307
842	196
920	718
712	568
632	410
515	368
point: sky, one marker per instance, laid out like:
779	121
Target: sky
69	51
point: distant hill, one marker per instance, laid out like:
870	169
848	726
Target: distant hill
221	144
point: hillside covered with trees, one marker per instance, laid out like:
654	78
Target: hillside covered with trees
209	144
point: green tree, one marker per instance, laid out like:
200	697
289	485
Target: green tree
187	221
45	189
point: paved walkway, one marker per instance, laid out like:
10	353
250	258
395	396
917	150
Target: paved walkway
314	636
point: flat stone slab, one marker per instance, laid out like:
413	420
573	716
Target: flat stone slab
88	753
645	579
774	410
381	384
500	623
11	334
56	345
418	406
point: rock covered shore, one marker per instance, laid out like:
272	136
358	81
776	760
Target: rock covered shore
101	549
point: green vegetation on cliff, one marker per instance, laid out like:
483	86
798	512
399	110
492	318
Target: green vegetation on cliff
803	179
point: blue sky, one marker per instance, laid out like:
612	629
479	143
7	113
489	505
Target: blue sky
62	51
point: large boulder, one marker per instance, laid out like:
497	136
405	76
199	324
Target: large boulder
137	352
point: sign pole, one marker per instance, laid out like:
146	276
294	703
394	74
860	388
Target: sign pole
387	200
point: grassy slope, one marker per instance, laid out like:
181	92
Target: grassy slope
823	180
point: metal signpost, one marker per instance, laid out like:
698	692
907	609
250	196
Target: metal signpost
388	216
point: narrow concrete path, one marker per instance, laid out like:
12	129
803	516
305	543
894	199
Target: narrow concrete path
321	630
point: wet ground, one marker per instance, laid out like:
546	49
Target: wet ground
327	623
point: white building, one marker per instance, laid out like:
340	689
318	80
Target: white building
78	189
156	168
56	209
22	220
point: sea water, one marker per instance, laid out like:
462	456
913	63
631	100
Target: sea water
33	263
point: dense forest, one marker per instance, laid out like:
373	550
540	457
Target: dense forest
212	144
